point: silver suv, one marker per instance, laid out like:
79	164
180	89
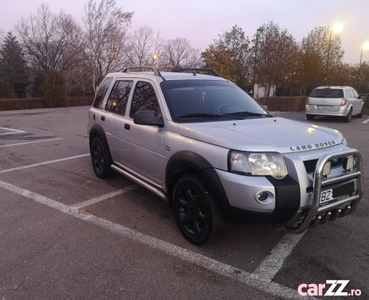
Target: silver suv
342	101
215	155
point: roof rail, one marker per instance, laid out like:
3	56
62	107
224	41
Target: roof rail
154	69
195	70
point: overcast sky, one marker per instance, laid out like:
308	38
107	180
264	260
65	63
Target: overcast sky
201	21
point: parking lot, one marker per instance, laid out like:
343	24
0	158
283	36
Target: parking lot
65	234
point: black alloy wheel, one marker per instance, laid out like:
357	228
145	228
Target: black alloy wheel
197	215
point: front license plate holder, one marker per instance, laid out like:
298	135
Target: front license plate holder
338	192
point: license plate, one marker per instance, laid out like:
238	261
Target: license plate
323	107
338	192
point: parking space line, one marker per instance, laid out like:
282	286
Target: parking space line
103	197
12	131
366	121
173	250
273	263
43	163
33	142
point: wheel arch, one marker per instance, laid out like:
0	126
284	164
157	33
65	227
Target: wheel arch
97	131
186	162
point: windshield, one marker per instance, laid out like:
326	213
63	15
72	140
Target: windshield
208	100
327	93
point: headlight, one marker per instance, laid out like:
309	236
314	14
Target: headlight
258	164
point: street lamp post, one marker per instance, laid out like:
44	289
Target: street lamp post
363	48
259	30
336	28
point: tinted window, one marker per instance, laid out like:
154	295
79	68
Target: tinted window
117	101
104	86
327	93
187	99
144	98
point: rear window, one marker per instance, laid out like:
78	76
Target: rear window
327	93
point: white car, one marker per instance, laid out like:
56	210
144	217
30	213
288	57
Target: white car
341	101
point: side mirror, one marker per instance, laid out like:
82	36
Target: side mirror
148	118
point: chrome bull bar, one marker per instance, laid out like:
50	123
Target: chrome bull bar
321	214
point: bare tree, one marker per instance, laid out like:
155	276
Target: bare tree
143	45
50	41
179	53
105	27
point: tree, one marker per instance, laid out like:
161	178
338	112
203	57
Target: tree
13	68
178	53
52	42
219	59
105	28
143	45
278	54
238	44
232	50
321	55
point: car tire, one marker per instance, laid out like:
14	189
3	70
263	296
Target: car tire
197	215
101	159
310	117
348	117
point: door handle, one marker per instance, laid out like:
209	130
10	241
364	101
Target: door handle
127	126
102	118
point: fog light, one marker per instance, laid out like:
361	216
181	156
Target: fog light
264	197
348	163
327	168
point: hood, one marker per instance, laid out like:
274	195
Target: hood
263	134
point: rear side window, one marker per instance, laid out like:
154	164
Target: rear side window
327	93
349	94
104	86
144	98
117	101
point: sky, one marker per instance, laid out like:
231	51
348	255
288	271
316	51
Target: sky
202	21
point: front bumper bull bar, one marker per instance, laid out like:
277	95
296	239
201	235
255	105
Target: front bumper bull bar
321	214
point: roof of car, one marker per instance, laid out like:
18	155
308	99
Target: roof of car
154	74
333	87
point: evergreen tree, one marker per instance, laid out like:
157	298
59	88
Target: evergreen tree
13	68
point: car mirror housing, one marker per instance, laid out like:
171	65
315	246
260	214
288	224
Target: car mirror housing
148	118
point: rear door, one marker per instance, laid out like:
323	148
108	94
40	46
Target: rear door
145	151
114	118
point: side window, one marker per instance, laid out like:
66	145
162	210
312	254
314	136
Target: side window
104	86
349	94
144	98
117	101
354	92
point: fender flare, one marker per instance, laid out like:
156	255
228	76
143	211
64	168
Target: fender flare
187	161
97	130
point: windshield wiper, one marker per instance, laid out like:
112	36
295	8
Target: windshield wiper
248	114
200	115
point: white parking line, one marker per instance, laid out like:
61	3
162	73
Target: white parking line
366	121
12	131
43	163
103	197
186	255
273	263
33	142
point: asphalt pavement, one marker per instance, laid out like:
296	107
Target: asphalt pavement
65	234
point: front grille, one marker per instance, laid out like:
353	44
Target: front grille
310	165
